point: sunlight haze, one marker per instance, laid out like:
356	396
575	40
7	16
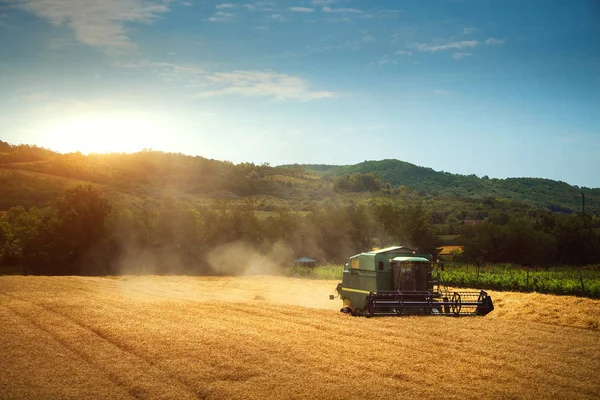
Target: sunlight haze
497	88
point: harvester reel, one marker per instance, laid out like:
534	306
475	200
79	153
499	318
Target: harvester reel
456	304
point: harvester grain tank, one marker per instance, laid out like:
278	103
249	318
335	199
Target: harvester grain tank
399	281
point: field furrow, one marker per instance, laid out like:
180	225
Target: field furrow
272	337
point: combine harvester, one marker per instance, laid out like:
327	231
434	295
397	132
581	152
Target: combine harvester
399	281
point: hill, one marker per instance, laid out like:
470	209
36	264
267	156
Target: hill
78	214
553	195
33	176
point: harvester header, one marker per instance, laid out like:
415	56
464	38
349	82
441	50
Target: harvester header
399	281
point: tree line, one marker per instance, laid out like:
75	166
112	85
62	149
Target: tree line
544	239
87	231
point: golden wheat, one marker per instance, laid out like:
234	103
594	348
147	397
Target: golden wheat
280	338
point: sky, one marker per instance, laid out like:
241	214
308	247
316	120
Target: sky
498	88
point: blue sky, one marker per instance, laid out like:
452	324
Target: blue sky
497	88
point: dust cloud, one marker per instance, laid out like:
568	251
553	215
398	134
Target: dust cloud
232	259
235	272
260	290
242	259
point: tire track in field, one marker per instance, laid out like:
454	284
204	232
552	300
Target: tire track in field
462	350
392	338
299	319
114	378
387	334
26	344
278	327
385	330
249	309
134	390
125	347
218	319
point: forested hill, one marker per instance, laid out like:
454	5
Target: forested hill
33	176
554	195
155	212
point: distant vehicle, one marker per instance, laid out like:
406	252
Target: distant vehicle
399	281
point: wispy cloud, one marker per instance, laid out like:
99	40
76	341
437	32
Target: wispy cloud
190	75
4	21
221	16
383	14
385	60
323	2
262	84
267	83
302	9
441	92
36	96
404	53
464	44
494	41
342	10
58	43
459	55
277	17
98	23
225	5
368	38
338	19
285	54
349	45
469	31
264	6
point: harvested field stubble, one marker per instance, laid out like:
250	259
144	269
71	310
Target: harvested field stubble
273	337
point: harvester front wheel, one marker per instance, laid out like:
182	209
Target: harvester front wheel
347	308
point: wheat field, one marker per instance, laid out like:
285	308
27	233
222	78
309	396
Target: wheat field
280	338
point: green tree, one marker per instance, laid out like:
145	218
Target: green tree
417	230
483	243
79	232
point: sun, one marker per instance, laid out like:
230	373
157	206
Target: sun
105	133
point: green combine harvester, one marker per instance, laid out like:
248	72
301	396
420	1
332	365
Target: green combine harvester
399	281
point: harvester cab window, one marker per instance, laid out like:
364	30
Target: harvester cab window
402	276
409	276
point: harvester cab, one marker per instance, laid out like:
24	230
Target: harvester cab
399	281
411	274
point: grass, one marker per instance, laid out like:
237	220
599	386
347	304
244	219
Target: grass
326	272
555	280
265	337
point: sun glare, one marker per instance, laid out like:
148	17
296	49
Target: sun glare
105	133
